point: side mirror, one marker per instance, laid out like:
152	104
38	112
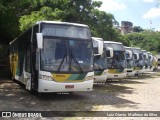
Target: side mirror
136	56
146	56
128	54
109	52
40	40
98	47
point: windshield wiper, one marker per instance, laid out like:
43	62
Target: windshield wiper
65	55
77	63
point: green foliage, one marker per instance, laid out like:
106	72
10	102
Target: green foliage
137	29
78	11
17	16
146	40
102	25
8	22
3	55
45	13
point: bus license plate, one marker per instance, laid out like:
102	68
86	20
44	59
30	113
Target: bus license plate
115	75
69	86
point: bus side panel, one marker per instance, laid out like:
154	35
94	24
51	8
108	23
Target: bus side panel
17	63
18	50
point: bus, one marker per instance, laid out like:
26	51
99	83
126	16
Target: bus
146	60
139	62
116	62
150	61
53	57
100	60
158	61
130	62
155	63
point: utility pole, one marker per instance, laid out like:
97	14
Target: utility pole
150	22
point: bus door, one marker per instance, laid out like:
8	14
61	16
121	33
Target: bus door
34	70
31	70
27	72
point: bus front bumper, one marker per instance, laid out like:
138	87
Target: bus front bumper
45	86
116	76
131	74
101	78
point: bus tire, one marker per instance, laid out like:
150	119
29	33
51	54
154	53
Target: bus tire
33	92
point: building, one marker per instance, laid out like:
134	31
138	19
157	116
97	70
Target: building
126	27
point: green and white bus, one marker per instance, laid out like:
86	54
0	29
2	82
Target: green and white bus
130	62
150	60
53	57
100	60
139	67
146	61
116	63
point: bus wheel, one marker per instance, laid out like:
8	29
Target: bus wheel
33	92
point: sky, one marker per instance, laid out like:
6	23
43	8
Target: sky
143	13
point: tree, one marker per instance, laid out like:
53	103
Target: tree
146	40
137	29
8	22
25	13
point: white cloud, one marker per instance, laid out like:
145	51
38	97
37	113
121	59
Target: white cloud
111	5
148	1
152	13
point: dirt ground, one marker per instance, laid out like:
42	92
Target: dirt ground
134	94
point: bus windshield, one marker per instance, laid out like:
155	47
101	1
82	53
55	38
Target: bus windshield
130	62
100	62
118	60
65	55
140	62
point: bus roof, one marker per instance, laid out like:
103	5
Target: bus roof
65	23
113	42
149	52
136	48
96	38
54	22
127	47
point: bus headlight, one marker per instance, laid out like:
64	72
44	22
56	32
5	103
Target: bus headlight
44	77
89	78
105	72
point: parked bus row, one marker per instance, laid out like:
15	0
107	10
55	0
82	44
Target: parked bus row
64	57
121	61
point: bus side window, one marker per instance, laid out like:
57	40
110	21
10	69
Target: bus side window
28	60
